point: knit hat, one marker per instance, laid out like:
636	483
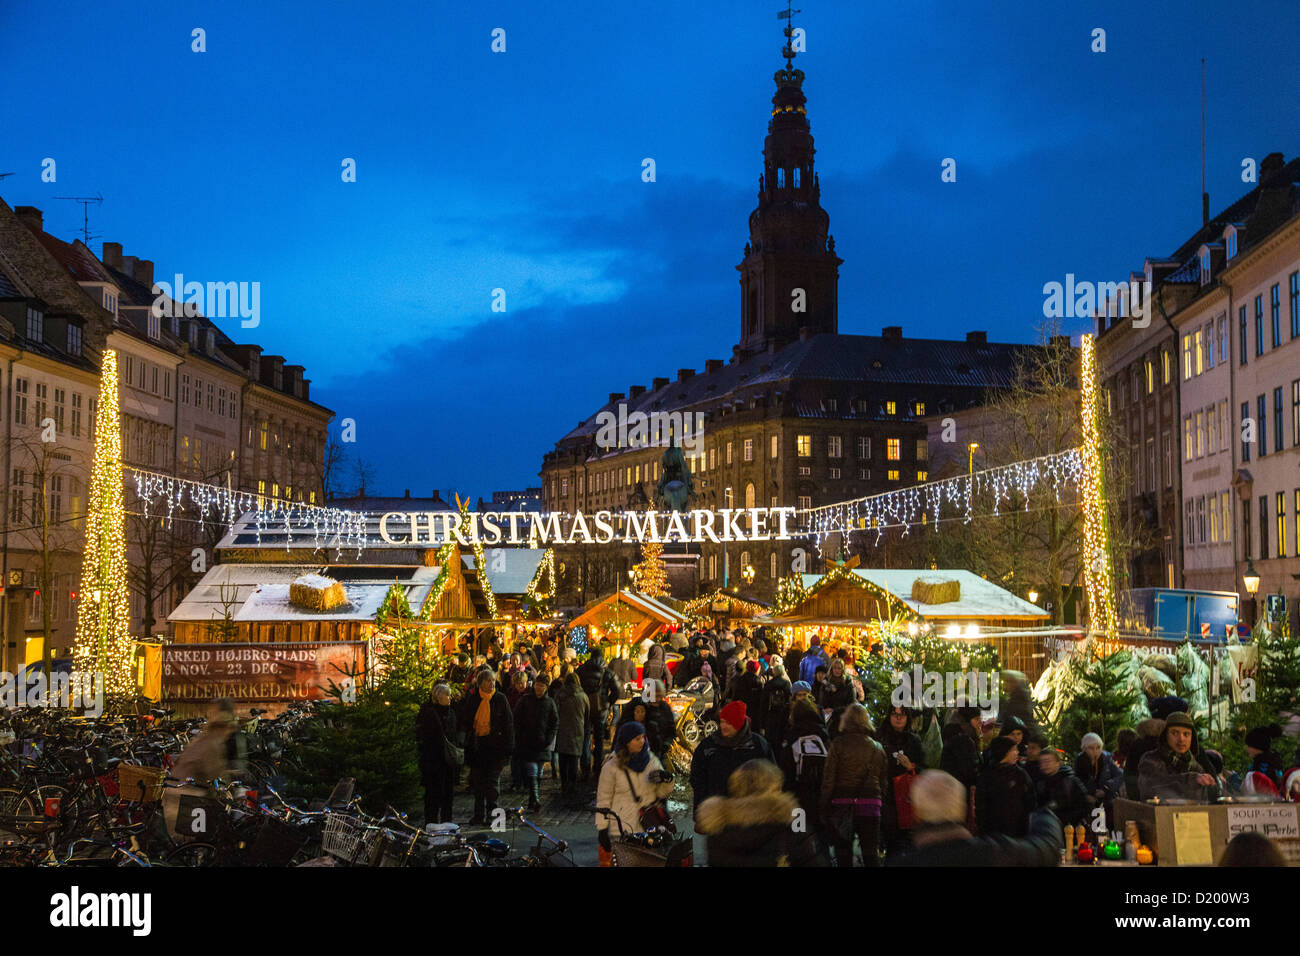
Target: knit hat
753	667
734	714
801	685
1290	780
627	733
1260	737
1178	718
1213	761
1011	725
999	749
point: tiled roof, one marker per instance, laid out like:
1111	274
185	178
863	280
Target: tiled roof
810	368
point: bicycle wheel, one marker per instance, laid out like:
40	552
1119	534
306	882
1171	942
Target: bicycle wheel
192	854
22	811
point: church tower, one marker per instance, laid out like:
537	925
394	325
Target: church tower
790	247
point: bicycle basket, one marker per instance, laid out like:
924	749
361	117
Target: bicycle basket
275	844
627	853
140	784
348	839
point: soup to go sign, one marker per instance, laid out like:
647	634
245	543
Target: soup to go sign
1276	821
257	672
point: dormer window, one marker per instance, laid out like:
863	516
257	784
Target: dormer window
212	341
1205	265
74	339
194	335
795	177
155	325
110	302
35	325
1230	238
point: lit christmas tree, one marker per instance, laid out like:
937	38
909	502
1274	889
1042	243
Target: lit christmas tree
650	576
104	643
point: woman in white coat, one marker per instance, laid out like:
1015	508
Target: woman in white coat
626	786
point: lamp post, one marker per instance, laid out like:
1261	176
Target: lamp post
971	448
1033	597
1251	580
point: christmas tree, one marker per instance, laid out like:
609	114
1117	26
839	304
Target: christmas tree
104	643
650	576
1101	699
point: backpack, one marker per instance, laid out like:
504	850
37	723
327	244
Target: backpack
778	702
809	757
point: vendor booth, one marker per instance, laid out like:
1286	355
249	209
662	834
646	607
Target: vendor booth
624	618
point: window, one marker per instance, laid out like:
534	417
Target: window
1189	443
922	450
167	384
41	406
1294	291
1214	519
198	392
920	409
155	325
774	445
1232	244
1241	335
749	449
1167	454
805	502
212	397
55	500
833	473
61	401
1164	366
1223	340
713	457
221	402
771	568
128	366
1295	412
20	401
1205	266
728	453
1149	371
1261	423
1223	425
864	446
1209	345
233	412
893	474
1259	325
1200	433
16	496
1277	419
74	339
1212	430
1275	313
1187	356
1296	522
922	476
1189	521
185	450
1225	516
1151	464
1199	344
262	428
93	405
185	388
891	408
834	446
154	383
804	444
805	471
864	474
1200	520
76	414
894	449
1245	445
1281	524
1245	530
35	325
1263	527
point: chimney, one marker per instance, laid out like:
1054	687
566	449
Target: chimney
306	389
712	365
805	333
31	217
144	273
635	391
615	397
660	383
892	333
684	373
977	339
111	255
128	265
408	493
1270	168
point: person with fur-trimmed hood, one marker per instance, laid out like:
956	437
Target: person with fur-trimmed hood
752	825
1173	768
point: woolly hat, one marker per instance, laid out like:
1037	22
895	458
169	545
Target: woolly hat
1213	761
627	733
734	714
1011	725
999	749
753	667
801	685
1260	737
1180	718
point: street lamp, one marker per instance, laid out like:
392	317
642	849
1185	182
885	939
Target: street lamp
748	574
1251	578
971	448
1033	597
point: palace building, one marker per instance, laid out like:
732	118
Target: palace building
801	414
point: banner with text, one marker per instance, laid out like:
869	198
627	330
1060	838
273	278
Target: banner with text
257	672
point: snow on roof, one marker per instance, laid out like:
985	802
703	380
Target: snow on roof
979	598
260	592
511	570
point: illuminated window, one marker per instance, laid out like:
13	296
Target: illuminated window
1164	366
774	446
728	453
891	408
1199	344
1187	357
804	445
749	449
922	476
1281	524
1149	369
920	409
893	474
893	448
772	565
262	431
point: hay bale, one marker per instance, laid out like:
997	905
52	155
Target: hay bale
936	590
315	592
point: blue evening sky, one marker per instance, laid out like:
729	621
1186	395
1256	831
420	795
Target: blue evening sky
522	170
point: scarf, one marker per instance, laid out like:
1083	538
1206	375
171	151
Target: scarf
483	716
639	761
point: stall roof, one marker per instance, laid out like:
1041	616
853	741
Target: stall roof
979	598
509	570
260	592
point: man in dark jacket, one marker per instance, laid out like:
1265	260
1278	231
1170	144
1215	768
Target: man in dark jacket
1004	796
748	688
601	687
489	730
536	719
941	838
774	705
1150	732
1173	768
724	751
791	661
1060	790
961	747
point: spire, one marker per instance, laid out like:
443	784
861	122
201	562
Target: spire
788	51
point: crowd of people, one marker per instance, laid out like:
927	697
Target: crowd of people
797	772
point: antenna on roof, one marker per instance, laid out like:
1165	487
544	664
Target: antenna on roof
1205	197
86	202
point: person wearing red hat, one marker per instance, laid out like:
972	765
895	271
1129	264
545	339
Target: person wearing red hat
723	751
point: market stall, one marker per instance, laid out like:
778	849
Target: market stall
624	618
723	609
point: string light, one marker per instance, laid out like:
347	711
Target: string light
1098	574
103	643
650	577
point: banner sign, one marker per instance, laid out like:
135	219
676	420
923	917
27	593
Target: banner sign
1277	822
537	529
257	672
